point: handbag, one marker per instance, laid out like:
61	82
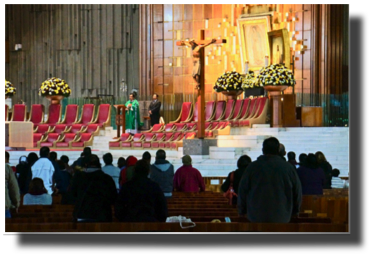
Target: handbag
229	194
180	219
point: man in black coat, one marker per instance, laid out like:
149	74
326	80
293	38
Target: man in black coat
154	108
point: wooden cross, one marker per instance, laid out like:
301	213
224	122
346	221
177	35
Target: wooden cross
198	75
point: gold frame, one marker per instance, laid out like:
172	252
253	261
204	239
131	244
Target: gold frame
283	34
241	23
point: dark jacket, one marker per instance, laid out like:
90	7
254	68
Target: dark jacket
155	108
95	193
327	168
269	191
237	178
162	172
141	200
23	171
312	180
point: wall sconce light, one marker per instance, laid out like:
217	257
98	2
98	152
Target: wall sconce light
219	24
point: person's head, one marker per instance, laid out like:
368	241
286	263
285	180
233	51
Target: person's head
141	169
53	156
131	161
146	156
303	158
82	154
160	155
36	187
65	159
32	158
132	96
291	155
121	162
108	158
44	152
243	161
335	172
187	160
320	157
23	160
93	162
192	42
61	165
6	157
282	150
270	146
87	152
312	161
155	96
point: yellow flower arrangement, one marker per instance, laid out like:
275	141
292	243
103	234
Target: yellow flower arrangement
276	74
229	81
249	80
54	86
10	90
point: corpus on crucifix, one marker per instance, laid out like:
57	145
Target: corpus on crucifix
198	74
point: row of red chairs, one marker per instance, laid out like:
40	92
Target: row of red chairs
169	140
239	113
70	123
64	140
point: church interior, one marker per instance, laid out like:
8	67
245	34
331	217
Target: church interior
227	78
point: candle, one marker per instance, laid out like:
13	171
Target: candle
170	64
206	60
266	60
219	51
246	67
206	23
225	32
178	62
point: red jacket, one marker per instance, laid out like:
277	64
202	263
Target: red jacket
188	179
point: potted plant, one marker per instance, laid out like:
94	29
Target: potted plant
275	77
229	84
10	90
249	85
54	89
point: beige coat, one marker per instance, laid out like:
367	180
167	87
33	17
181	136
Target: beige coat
12	192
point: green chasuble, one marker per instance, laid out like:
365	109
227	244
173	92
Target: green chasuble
132	116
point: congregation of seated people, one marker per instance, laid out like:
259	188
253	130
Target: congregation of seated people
139	190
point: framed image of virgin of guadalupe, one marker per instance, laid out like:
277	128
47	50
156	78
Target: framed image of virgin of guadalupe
279	47
252	32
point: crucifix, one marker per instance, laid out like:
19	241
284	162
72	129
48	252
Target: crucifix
198	74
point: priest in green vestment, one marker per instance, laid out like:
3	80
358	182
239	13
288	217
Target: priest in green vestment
132	117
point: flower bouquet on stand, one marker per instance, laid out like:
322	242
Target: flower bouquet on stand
10	90
229	84
275	75
249	85
54	89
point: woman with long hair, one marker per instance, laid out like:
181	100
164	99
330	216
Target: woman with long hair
37	194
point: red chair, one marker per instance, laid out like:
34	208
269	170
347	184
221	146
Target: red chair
237	109
88	111
229	110
94	129
36	115
149	137
43	129
210	111
19	113
159	138
83	140
185	113
70	118
37	137
176	141
180	127
116	144
220	111
191	127
49	140
54	115
169	128
127	144
155	129
64	141
251	112
6	112
222	128
103	117
243	114
195	115
137	141
260	113
165	143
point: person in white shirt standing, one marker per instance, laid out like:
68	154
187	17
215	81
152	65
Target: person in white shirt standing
44	169
111	170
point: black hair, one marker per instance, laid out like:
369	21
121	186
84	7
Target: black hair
7	155
121	162
44	152
303	158
61	164
141	169
271	146
335	172
243	161
146	155
291	155
312	161
108	158
65	159
161	154
53	156
134	94
32	158
87	152
93	162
